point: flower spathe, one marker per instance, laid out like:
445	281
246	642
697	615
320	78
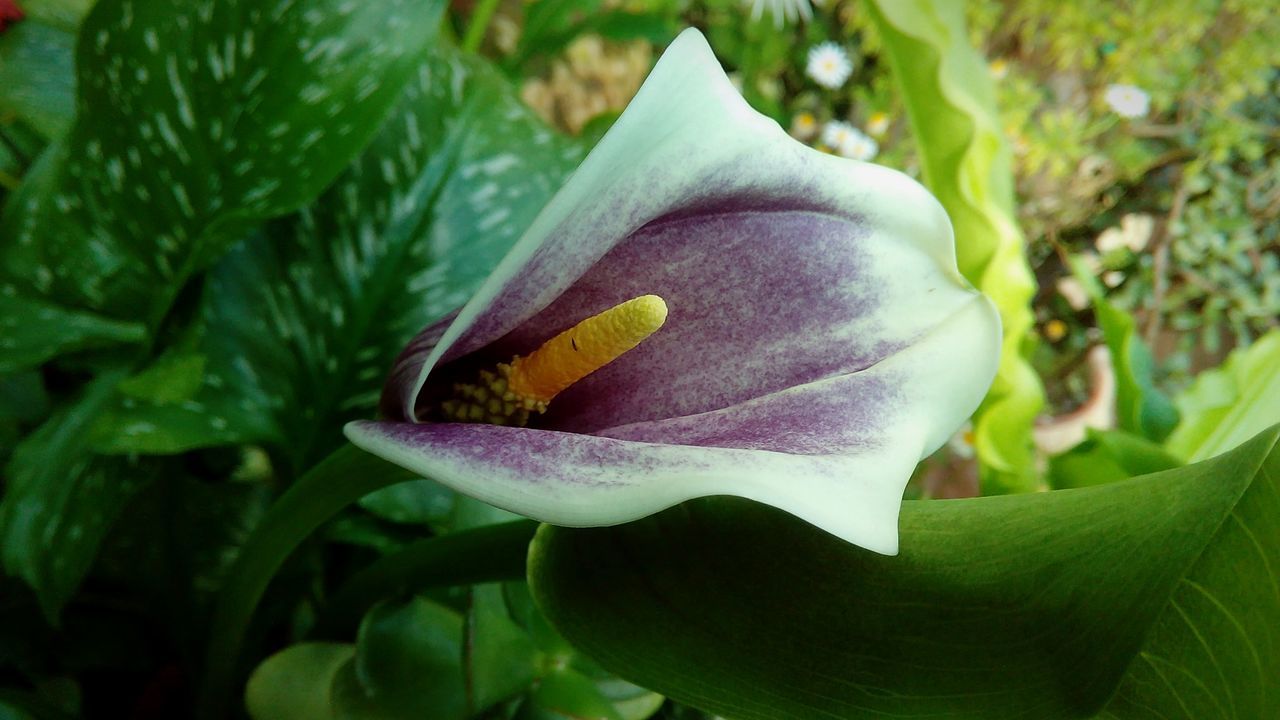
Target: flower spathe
820	340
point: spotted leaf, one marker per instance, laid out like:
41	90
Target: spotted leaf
304	319
60	500
32	331
195	119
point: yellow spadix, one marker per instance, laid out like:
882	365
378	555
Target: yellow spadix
528	383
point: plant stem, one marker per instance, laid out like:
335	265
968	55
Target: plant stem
480	18
344	477
484	554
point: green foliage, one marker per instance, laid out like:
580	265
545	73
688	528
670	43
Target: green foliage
1228	404
60	500
301	321
1140	406
963	623
1108	456
1201	162
36	76
296	684
120	237
35	331
966	164
168	169
420	658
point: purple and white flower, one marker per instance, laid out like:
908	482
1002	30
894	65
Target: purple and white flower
820	340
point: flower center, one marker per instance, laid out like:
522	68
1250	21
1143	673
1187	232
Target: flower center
508	394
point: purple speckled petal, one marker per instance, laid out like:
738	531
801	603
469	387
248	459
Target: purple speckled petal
820	339
583	480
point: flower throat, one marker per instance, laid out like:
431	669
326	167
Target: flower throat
512	392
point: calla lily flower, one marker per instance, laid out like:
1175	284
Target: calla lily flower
818	338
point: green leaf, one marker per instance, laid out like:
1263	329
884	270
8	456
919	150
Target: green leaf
60	500
196	120
37	82
967	164
33	331
548	27
303	321
422	502
742	610
1214	651
63	14
1140	406
23	397
1226	406
174	378
176	547
500	659
294	684
408	665
1108	456
567	695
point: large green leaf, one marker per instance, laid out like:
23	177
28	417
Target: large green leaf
1228	405
196	119
967	164
1027	606
1214	651
305	319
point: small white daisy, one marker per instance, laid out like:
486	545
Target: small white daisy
1127	100
848	141
877	124
783	11
860	147
829	65
836	133
804	126
962	442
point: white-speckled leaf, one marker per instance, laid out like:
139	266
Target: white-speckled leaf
305	319
194	119
32	331
60	500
